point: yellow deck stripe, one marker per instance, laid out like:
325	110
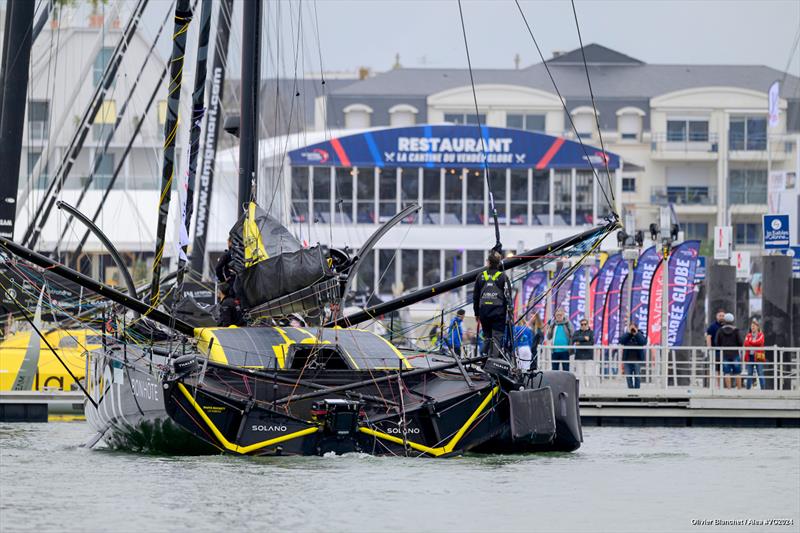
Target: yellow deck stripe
235	447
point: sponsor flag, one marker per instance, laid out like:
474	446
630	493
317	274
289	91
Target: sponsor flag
640	287
612	317
680	294
534	286
603	282
774	103
581	282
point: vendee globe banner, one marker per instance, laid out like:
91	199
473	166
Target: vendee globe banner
640	287
680	294
581	280
534	286
604	278
613	299
460	146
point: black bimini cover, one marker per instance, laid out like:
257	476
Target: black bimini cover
270	262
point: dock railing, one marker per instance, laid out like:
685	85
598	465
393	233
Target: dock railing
695	368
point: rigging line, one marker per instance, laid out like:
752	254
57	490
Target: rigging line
497	246
594	105
792	50
566	111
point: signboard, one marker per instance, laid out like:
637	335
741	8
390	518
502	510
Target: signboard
794	253
700	272
452	146
722	242
741	260
776	231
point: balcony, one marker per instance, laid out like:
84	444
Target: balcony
759	147
699	146
686	199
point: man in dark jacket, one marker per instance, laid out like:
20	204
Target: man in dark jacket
490	304
729	338
230	313
225	269
584	357
633	357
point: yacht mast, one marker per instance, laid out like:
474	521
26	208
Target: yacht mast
251	84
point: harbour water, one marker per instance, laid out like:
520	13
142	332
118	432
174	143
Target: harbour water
622	479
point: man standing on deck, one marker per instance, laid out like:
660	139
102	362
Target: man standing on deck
711	340
455	333
490	304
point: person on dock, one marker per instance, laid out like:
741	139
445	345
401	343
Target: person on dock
730	339
755	359
711	339
584	354
490	304
633	357
523	344
559	333
455	333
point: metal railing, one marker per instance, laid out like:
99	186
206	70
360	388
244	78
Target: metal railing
686	142
682	368
680	195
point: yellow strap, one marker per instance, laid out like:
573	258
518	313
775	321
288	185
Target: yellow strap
254	251
485	276
495	275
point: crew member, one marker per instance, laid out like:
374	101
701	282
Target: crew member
230	313
225	269
490	304
455	333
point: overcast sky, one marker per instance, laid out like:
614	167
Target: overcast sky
369	33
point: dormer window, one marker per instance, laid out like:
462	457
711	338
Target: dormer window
357	116
629	123
403	115
584	120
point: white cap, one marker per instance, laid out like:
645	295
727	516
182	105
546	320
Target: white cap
729	318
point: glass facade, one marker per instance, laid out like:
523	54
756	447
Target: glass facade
451	196
747	186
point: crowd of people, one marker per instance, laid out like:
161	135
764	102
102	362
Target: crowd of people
724	335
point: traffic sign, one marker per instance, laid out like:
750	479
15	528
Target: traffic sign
776	231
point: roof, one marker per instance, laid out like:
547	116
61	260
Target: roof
595	54
613	75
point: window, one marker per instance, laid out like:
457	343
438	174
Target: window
475	197
465	118
300	177
525	122
366	273
519	197
453	264
33	158
410	272
628	184
105	169
365	196
322	195
453	189
100	64
357	116
387	180
409	190
695	230
748	133
584	198
162	112
629	123
497	187
687	130
402	115
431	268
562	204
540	203
747	233
431	194
475	259
584	120
386	269
688	195
38	119
104	120
747	186
343	195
